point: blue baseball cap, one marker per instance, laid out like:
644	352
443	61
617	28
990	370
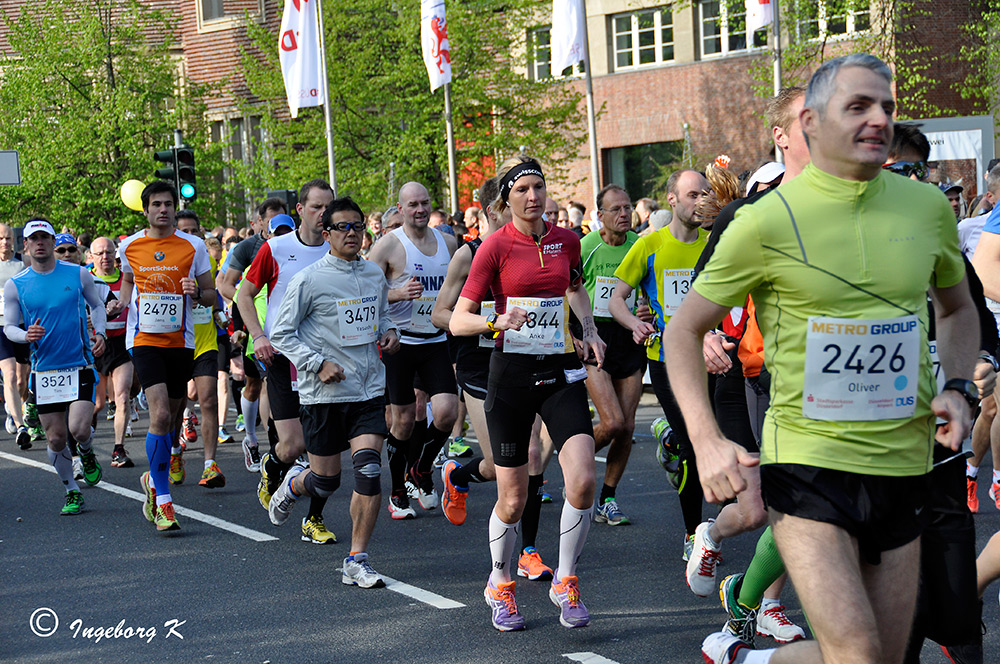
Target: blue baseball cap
65	238
279	220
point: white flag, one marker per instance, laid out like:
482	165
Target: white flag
434	42
567	34
759	14
298	53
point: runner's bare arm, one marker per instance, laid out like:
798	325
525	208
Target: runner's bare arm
466	323
719	459
620	312
458	272
593	345
986	260
954	314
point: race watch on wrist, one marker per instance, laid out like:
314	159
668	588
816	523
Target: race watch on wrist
986	357
491	321
966	388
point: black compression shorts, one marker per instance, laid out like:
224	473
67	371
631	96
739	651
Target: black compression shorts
171	366
522	386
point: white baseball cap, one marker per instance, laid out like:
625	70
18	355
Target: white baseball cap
766	173
36	226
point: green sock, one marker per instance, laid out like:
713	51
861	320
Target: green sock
763	570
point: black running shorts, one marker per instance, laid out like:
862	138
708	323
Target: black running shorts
522	386
170	366
206	364
623	357
882	513
283	399
330	427
431	362
115	355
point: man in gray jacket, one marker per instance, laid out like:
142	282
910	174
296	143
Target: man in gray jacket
331	325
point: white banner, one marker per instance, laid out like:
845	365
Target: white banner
434	42
299	55
958	144
567	34
759	14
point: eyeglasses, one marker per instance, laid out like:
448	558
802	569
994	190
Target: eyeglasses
347	226
908	168
615	211
66	250
103	253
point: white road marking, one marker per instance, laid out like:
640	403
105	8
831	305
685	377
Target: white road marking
135	495
588	658
421	595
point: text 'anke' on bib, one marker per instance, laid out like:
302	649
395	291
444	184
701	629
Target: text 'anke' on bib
542	332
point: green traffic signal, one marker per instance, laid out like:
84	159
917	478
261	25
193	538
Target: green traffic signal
186	185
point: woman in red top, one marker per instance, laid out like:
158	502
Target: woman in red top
533	269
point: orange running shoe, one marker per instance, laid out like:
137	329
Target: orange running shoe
453	497
971	497
530	565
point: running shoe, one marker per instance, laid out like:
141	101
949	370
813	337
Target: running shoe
240	426
189	432
149	504
314	531
688	547
212	477
251	456
458	448
112	407
566	595
701	564
283	500
141	402
440	459
165	518
531	567
500	599
774	623
722	648
452	497
610	513
23	438
92	472
359	572
37	432
263	492
29	413
119	458
421	488
77	468
194	419
128	430
546	496
399	507
11	425
224	437
970	487
74	503
742	621
177	473
994	494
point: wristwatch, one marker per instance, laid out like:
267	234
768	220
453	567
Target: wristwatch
987	357
491	321
966	388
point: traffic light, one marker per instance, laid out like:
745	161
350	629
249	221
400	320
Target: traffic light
186	186
290	197
169	171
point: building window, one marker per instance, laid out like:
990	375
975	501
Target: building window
818	20
638	168
212	10
724	28
644	37
540	45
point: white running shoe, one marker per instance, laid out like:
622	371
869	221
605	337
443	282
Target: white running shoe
10	425
251	455
282	500
722	648
399	508
359	572
77	468
774	623
701	564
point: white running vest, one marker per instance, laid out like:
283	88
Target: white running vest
413	316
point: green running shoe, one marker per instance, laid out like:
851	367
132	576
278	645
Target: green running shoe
74	503
91	467
742	620
458	448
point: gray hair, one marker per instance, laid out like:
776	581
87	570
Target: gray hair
821	85
993	181
387	215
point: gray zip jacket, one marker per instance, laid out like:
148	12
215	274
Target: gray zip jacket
315	315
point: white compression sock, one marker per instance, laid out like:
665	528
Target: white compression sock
503	537
63	463
574	525
249	409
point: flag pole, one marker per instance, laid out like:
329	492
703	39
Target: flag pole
450	126
591	118
776	31
327	113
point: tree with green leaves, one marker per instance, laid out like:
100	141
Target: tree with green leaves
88	89
384	112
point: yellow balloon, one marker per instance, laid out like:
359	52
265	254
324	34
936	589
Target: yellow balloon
131	194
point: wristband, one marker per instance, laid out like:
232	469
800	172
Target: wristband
258	337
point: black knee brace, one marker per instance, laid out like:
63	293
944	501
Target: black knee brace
367	472
321	486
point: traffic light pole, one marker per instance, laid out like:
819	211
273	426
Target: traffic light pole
179	143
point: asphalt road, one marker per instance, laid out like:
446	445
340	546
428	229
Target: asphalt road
230	587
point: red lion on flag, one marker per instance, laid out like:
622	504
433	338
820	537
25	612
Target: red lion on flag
440	48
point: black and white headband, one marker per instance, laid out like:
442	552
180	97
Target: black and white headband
516	174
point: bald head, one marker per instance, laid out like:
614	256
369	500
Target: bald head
415	204
6	242
102	250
